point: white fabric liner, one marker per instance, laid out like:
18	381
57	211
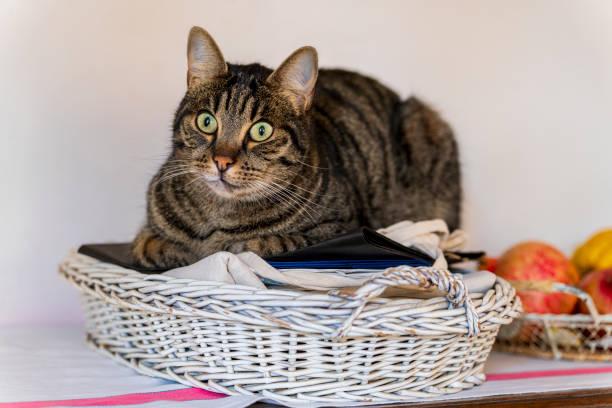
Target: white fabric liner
431	237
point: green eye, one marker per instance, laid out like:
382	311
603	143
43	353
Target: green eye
206	122
260	131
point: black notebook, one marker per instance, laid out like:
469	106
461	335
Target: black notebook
362	249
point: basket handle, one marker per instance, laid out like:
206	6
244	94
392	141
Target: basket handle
552	287
452	286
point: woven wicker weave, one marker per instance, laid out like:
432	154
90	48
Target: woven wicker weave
291	345
569	337
559	336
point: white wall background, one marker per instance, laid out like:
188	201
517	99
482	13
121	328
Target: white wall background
88	89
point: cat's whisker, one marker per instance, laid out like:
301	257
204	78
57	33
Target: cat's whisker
174	172
279	186
298	200
294	194
268	193
170	176
180	161
287	199
310	165
274	176
302	197
170	166
289	183
193	181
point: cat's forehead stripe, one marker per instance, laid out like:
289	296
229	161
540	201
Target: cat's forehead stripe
228	97
254	109
245	99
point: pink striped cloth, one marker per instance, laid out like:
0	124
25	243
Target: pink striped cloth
186	394
190	394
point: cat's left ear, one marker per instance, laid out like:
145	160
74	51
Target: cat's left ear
296	78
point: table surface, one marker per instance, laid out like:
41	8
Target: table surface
42	367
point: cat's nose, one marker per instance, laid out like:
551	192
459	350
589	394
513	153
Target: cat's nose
223	162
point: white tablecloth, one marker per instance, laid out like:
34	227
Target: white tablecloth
54	367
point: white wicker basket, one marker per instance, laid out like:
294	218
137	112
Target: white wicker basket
290	345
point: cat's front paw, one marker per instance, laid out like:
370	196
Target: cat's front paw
269	245
252	245
149	250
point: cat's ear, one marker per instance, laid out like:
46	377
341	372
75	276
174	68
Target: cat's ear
296	78
204	59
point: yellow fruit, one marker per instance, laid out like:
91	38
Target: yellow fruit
605	262
589	252
595	253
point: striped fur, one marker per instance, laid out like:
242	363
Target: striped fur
358	155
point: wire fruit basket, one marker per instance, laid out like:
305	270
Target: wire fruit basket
559	336
296	345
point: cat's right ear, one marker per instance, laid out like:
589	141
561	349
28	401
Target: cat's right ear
204	59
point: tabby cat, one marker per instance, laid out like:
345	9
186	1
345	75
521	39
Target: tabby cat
271	161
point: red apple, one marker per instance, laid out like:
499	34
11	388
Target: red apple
598	284
488	264
538	261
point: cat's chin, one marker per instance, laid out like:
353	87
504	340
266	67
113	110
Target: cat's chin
227	190
222	188
234	192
